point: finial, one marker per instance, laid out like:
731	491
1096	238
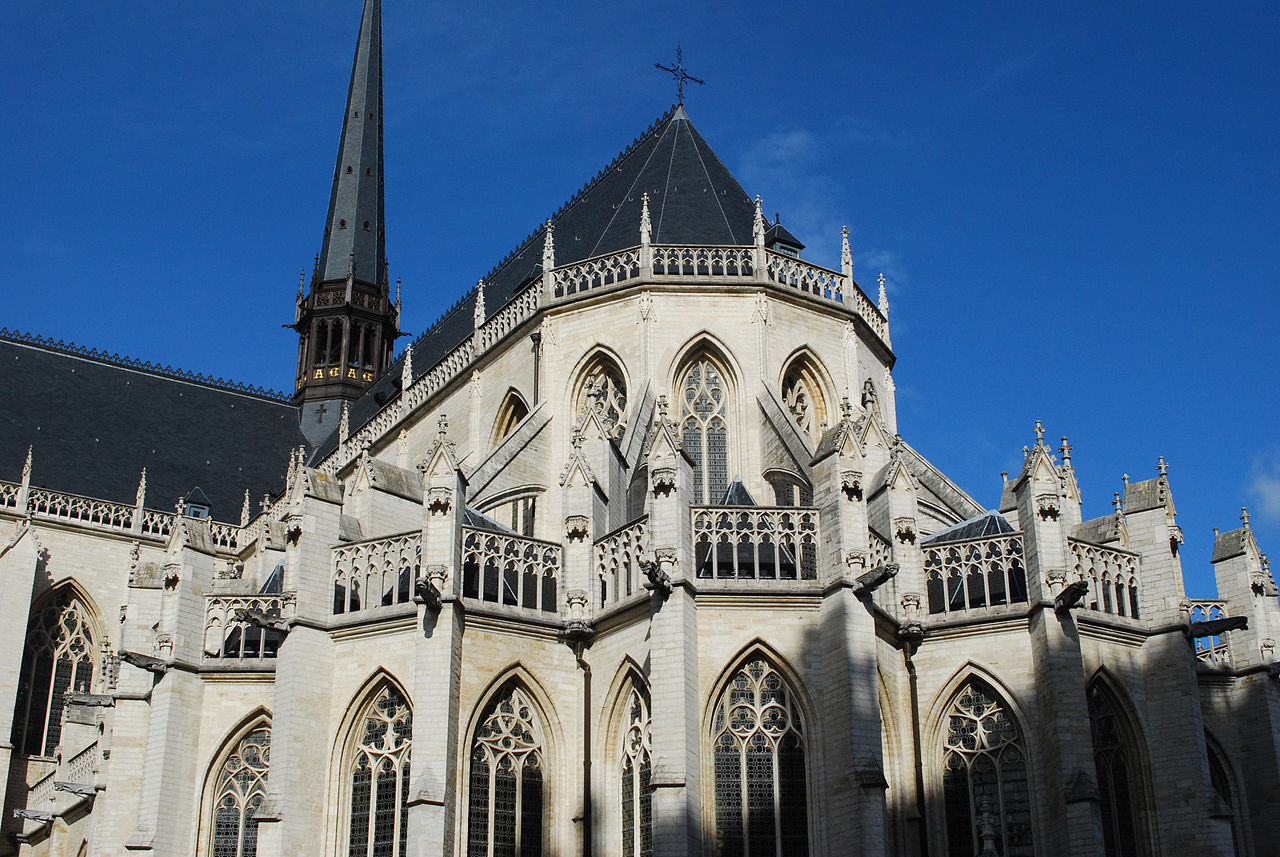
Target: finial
1124	479
344	426
302	278
478	315
1065	450
26	466
758	224
846	408
1215	532
141	496
1245	516
549	247
1117	502
1039	430
351	264
244	510
646	226
442	425
1161	467
1266	563
883	303
315	268
397	293
662	408
406	370
1026	450
680	74
1004	476
846	255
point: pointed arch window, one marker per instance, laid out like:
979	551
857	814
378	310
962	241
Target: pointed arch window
984	777
758	748
637	768
510	413
603	391
506	815
59	658
378	777
704	428
240	789
1220	780
1119	786
802	394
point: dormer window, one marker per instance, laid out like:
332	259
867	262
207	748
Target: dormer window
195	504
778	239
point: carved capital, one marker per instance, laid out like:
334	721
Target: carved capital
664	480
439	500
577	527
851	484
904	529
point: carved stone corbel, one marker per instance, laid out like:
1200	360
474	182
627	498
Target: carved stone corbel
664	480
851	484
439	500
904	529
577	527
1048	506
855	560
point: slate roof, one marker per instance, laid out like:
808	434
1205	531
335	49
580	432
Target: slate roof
982	526
95	423
1144	495
693	199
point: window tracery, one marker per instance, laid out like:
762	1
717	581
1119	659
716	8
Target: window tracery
240	790
637	793
58	659
802	395
506	802
704	428
379	778
759	757
1119	788
985	774
604	392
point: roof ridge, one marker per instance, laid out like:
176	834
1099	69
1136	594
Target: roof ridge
653	128
126	362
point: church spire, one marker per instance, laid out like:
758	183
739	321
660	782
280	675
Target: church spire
347	324
353	234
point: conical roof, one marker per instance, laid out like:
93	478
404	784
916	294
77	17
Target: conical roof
693	199
354	230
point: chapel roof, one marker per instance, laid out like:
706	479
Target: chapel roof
982	526
94	421
693	199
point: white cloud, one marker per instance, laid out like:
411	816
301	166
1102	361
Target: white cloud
1264	485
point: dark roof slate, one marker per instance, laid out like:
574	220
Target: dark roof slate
693	199
982	526
94	424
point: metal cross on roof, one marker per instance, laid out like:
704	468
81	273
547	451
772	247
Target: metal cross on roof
680	74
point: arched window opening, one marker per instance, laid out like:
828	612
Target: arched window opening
370	334
802	394
704	428
984	776
1119	783
759	756
240	789
518	513
789	489
335	343
505	814
1221	783
510	414
637	767
58	658
604	392
322	342
378	776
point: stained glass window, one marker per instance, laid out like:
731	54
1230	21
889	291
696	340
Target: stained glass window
240	789
605	392
59	657
380	778
1117	768
704	429
506	808
758	750
985	774
637	793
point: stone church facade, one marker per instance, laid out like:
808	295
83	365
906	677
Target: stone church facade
624	556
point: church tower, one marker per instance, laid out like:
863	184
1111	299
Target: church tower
346	321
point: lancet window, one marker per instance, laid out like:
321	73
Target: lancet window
802	394
506	815
704	428
758	747
1117	767
604	392
378	776
59	658
239	791
637	768
984	778
1221	783
511	412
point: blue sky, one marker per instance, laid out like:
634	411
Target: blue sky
1075	204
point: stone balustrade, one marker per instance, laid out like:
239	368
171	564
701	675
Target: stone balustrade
755	542
617	560
1112	575
230	635
979	573
1213	649
510	570
376	572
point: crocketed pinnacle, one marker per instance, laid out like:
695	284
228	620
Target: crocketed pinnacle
354	235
